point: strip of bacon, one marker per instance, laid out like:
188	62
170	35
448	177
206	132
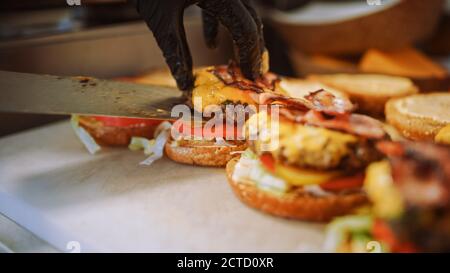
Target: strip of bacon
328	103
231	75
421	171
351	123
319	108
263	92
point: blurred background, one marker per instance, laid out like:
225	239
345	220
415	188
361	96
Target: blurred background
107	39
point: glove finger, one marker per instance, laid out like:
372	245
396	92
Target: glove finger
168	30
244	31
259	25
248	5
210	29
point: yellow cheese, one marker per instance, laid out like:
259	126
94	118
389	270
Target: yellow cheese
300	144
443	137
379	185
300	177
213	91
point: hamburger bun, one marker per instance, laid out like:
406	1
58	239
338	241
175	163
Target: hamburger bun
419	117
203	154
297	204
121	135
369	91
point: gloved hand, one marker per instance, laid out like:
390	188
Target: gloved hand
165	19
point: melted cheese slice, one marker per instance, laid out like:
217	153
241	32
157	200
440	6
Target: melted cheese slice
212	91
296	143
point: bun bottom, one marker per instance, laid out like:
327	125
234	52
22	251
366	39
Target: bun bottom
298	205
203	155
113	135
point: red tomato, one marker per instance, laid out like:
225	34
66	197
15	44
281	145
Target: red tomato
342	183
268	162
383	233
125	122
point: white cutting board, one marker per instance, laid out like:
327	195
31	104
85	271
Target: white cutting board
51	186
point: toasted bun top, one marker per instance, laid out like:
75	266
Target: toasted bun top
434	106
369	84
419	117
408	62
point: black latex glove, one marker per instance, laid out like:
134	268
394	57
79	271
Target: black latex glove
165	19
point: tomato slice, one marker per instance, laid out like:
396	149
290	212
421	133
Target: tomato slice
219	131
383	233
345	182
125	122
268	162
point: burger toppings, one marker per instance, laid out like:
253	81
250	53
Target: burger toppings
420	168
250	169
231	75
311	147
83	135
306	156
326	102
421	173
410	196
114	125
225	84
350	123
153	148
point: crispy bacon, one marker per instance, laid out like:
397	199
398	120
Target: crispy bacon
319	108
421	171
360	125
328	103
263	92
273	98
231	75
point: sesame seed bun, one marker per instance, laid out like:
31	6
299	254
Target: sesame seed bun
203	154
419	117
297	204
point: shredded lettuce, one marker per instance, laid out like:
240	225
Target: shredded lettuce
359	242
141	143
87	140
249	154
338	230
249	168
154	148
